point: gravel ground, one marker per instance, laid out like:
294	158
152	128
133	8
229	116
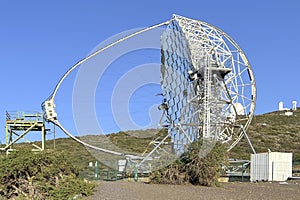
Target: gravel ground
125	190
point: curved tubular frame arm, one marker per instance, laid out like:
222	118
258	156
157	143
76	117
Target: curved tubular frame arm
49	107
101	50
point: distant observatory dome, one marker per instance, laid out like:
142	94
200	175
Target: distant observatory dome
294	105
280	106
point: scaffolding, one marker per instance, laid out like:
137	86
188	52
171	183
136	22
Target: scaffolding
19	124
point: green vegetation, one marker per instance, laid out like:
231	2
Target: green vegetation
40	175
131	143
271	130
56	177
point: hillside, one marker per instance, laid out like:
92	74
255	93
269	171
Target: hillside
274	131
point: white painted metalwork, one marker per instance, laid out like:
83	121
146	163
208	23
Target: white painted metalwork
49	106
207	83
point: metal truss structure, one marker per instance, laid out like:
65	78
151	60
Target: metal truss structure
207	83
208	88
19	124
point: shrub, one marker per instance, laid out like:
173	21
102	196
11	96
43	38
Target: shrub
40	175
193	168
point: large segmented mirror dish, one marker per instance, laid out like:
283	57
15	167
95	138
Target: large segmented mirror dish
207	82
208	91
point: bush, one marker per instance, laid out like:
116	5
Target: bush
41	175
193	168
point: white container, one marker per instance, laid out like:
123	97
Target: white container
272	166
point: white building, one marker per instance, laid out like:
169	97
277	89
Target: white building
271	166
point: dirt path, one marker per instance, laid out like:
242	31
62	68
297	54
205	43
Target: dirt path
124	190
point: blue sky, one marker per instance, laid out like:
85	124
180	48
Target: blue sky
40	40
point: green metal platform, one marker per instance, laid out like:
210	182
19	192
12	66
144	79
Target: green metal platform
18	124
